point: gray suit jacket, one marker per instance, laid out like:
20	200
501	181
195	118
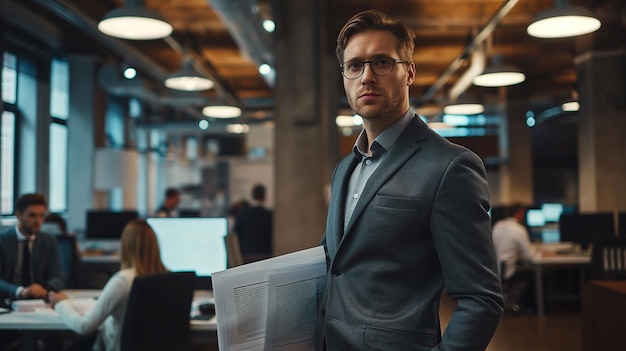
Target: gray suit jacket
46	265
421	225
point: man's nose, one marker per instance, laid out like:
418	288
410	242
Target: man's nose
368	73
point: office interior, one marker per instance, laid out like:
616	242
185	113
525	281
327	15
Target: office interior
75	129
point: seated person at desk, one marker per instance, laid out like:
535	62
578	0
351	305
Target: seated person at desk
140	255
167	209
512	245
29	259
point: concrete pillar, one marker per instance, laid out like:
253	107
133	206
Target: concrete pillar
80	125
602	130
516	172
302	134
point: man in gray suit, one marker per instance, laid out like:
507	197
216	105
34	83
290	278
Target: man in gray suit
29	259
408	215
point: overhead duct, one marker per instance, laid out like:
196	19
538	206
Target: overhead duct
477	66
474	43
245	24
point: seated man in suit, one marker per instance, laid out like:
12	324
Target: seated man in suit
29	259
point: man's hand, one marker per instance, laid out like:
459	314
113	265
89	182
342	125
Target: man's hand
55	297
34	291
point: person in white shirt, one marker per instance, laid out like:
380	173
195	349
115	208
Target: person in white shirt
140	255
514	252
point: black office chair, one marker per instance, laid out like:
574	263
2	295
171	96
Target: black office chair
608	259
157	313
510	291
69	257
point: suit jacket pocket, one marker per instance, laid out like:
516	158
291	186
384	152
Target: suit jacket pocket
393	340
400	203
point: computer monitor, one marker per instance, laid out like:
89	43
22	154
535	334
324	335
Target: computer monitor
535	217
192	244
188	213
107	224
552	211
583	228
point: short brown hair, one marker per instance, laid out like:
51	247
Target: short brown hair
376	20
29	200
140	248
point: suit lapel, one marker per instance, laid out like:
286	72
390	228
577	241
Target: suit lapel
406	145
342	179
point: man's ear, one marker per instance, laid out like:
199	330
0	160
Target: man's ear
410	77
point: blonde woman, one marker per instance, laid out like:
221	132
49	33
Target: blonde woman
140	256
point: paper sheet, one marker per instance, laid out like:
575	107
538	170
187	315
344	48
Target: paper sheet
270	304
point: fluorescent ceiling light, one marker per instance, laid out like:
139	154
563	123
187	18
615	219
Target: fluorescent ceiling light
221	111
439	125
563	22
237	128
188	79
571	106
134	23
348	121
463	109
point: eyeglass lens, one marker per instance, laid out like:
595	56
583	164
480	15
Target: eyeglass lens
380	66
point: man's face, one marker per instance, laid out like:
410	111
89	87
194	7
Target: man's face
371	96
30	221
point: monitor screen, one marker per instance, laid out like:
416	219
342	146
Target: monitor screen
584	227
192	244
552	212
535	218
107	224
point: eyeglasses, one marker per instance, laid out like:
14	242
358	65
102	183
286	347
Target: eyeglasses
381	66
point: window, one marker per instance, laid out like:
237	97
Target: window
59	90
7	162
9	79
59	110
8	132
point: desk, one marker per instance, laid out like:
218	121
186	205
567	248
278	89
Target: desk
28	323
604	315
541	262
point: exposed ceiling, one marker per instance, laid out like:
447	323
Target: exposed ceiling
444	28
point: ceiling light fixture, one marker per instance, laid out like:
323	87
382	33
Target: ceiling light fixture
563	21
222	111
499	74
238	128
348	121
463	109
134	22
570	106
188	79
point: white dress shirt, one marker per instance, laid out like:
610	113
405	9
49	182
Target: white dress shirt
511	242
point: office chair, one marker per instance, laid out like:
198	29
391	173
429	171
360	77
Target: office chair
157	313
510	292
69	257
233	250
608	259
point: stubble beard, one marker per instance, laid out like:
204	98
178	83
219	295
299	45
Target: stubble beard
377	111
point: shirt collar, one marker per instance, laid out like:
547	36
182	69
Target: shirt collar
21	236
386	139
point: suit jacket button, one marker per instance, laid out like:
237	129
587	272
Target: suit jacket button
335	274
